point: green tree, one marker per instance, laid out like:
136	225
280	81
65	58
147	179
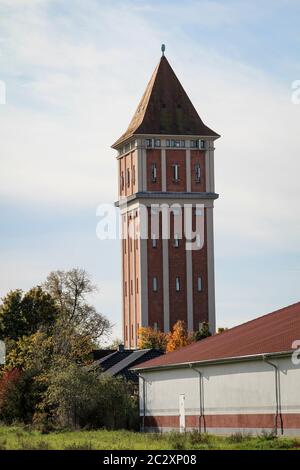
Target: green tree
202	333
23	314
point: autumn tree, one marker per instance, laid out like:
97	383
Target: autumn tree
148	338
178	337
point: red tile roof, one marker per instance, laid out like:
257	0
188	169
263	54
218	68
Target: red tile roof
165	108
271	333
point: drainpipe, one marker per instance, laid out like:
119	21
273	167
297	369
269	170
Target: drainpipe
278	414
201	401
144	402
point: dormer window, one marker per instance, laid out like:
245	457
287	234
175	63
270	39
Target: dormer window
176	172
197	173
154	172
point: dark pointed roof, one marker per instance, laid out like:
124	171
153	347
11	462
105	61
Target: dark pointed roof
165	108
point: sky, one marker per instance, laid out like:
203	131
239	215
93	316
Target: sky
74	72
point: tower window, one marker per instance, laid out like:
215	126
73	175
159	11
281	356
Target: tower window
197	173
128	177
199	284
177	284
157	142
148	142
122	180
202	144
176	241
176	172
168	143
126	333
131	287
154	284
154	172
154	242
127	148
194	143
155	326
125	288
133	174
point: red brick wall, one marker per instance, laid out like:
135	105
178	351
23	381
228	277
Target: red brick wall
153	156
177	267
155	268
200	299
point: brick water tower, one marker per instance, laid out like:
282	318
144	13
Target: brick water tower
165	158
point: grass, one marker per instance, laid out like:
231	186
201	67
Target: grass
18	437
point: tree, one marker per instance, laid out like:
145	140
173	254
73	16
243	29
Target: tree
23	314
202	333
69	289
178	337
149	338
221	330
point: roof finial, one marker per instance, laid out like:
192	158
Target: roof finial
163	48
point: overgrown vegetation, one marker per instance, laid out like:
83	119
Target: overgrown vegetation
49	333
15	437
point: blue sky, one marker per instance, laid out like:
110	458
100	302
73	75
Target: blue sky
74	72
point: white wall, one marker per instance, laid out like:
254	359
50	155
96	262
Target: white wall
236	388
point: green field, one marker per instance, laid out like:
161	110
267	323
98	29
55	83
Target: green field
17	437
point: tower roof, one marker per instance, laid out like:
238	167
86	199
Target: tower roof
165	108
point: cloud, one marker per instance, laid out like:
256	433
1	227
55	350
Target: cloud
74	73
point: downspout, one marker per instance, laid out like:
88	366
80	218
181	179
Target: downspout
144	402
277	395
201	401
